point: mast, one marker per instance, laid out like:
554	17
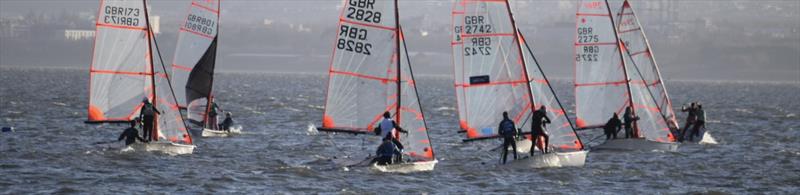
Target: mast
655	65
397	58
522	57
551	88
152	67
624	67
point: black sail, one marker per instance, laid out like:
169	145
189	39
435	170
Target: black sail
200	82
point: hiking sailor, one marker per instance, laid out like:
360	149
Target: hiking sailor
540	119
148	115
691	118
130	135
612	127
227	123
699	123
386	130
628	119
509	132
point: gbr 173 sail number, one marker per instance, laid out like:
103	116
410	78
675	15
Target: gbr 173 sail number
121	15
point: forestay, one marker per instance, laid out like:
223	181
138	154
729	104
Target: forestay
120	74
601	85
194	62
367	79
493	78
652	102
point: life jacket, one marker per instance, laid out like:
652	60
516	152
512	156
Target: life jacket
507	128
147	110
387	125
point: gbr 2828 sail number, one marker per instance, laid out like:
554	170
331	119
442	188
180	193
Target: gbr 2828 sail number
353	39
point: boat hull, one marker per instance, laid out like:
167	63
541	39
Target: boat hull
221	133
636	144
409	167
551	160
165	147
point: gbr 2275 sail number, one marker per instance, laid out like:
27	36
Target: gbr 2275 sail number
121	15
587	53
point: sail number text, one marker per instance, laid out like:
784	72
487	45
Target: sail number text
587	53
353	39
480	46
121	16
200	24
476	24
362	10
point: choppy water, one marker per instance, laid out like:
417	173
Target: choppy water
757	125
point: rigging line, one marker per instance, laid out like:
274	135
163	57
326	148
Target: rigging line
530	51
161	60
411	72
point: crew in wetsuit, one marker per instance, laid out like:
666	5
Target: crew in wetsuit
130	134
386	128
148	115
386	152
227	123
691	118
612	127
540	119
700	123
212	116
509	133
629	118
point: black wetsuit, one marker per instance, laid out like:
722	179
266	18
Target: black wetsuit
148	114
700	123
130	135
212	117
385	152
691	119
612	127
537	129
226	124
508	131
628	118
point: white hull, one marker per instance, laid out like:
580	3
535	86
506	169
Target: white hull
221	133
555	159
407	167
165	147
707	139
636	144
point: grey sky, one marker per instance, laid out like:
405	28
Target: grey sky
692	39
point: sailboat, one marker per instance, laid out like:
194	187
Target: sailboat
641	58
610	75
194	63
123	73
369	74
499	74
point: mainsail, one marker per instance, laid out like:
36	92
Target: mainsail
500	74
645	77
123	25
121	73
367	77
605	82
458	63
195	57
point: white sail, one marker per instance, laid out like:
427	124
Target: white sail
120	73
195	38
458	62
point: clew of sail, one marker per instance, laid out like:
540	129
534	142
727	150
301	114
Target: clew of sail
120	73
458	62
494	79
562	135
647	89
601	85
195	57
363	75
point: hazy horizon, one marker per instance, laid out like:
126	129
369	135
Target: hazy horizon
692	40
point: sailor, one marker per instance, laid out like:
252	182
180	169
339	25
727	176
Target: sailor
691	118
227	123
540	119
212	116
148	115
628	118
386	152
700	123
385	130
130	135
612	127
509	133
